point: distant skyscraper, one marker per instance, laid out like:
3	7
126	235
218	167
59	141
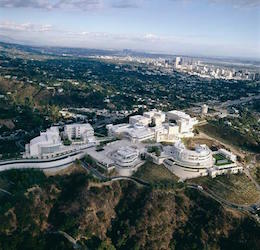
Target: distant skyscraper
257	77
178	62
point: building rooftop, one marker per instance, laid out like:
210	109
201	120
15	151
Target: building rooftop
181	114
82	125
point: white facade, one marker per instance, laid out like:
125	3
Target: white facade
199	158
167	133
156	117
83	132
178	62
204	109
47	143
229	155
121	155
180	115
139	119
52	164
188	164
184	121
225	169
134	132
125	156
153	126
185	128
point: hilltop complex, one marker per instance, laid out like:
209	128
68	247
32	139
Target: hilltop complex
130	146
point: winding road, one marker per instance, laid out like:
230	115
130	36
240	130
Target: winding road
244	208
101	177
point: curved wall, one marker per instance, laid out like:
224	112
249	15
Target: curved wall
200	158
51	164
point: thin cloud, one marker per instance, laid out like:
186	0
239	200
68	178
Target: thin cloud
116	37
240	3
98	4
49	5
29	27
234	3
125	4
33	34
42	4
79	4
70	4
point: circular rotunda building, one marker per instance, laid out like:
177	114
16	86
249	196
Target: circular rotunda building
187	162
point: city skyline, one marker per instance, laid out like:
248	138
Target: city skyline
207	28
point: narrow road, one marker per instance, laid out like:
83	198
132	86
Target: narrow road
133	179
246	208
105	179
233	149
70	239
5	191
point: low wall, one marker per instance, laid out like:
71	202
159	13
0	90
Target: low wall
127	171
52	164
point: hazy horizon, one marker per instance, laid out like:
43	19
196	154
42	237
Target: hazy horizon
214	28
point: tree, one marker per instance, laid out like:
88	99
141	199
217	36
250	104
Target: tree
106	245
54	113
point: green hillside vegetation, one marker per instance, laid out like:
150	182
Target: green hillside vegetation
221	131
256	173
87	82
157	175
120	215
234	188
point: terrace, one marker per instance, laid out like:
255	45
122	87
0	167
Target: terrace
221	160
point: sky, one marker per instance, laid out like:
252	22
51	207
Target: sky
182	27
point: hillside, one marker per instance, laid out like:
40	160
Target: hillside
114	216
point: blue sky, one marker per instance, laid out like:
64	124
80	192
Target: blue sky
191	27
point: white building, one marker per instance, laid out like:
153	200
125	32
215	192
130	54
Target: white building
47	143
125	156
133	132
153	126
187	163
229	155
180	115
184	121
225	169
83	132
204	109
178	62
155	117
199	158
139	119
121	155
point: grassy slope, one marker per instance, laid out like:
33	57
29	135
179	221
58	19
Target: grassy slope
235	188
153	173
